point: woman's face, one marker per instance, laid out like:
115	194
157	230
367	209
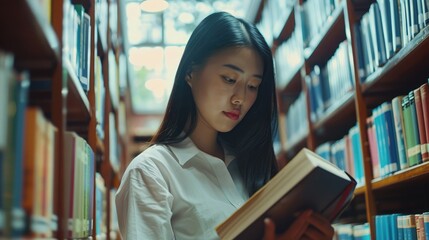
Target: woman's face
226	87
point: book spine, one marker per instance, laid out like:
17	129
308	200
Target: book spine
410	227
412	149
373	147
421	125
426	224
424	89
399	128
396	25
415	128
18	214
391	148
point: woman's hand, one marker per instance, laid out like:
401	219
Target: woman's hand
308	225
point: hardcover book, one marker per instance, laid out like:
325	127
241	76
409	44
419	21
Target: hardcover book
307	182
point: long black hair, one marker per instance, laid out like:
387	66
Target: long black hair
252	138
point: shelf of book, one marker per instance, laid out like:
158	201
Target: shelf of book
78	109
86	3
292	147
292	83
30	31
398	73
360	190
43	52
288	27
403	177
337	119
327	40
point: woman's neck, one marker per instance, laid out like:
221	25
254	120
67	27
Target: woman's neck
206	141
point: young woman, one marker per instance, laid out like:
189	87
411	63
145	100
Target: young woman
214	148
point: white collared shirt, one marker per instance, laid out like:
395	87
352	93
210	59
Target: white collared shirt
177	192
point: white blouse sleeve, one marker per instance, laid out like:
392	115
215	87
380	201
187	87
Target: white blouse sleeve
143	203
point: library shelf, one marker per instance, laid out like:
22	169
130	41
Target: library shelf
77	101
292	86
404	71
43	51
337	119
85	3
288	27
322	46
292	147
360	190
404	177
398	74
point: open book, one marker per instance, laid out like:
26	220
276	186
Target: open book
306	182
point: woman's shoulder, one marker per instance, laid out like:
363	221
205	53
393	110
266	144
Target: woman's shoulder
156	153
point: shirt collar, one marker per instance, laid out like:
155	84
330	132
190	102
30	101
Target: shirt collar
186	150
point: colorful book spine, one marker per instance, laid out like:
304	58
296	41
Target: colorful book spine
424	89
409	226
398	118
421	125
426	224
22	84
411	140
373	147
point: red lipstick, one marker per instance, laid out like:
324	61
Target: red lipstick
234	115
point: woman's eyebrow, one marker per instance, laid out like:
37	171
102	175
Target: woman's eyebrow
236	68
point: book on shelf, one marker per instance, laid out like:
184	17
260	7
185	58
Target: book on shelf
307	182
421	124
411	139
424	89
398	119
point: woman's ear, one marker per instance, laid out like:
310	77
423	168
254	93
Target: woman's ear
188	78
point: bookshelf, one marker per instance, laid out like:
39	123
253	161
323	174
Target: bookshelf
40	42
402	72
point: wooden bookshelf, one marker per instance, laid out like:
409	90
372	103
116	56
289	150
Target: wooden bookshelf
404	71
36	42
43	52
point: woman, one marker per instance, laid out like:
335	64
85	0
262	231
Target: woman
214	148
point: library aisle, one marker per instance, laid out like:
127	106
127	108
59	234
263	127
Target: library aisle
60	145
352	84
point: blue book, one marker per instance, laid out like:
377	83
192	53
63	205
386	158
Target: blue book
379	137
378	227
357	155
400	225
18	214
318	91
403	10
393	219
324	150
377	35
425	12
409	225
426	223
311	93
360	51
399	128
387	26
396	25
414	18
391	147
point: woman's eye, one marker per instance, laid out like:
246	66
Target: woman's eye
228	80
254	88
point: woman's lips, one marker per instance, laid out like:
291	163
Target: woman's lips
234	115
